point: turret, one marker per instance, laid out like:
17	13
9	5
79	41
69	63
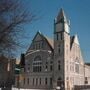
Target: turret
62	23
61	49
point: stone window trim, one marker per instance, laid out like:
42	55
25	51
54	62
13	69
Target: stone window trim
33	81
59	66
51	81
40	81
28	81
51	67
77	65
45	81
24	81
37	64
86	80
36	81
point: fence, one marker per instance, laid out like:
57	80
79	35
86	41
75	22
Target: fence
19	89
82	87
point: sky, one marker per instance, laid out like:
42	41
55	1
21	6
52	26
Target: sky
78	11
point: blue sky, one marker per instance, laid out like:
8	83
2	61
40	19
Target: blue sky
78	11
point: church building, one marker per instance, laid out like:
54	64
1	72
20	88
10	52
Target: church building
55	64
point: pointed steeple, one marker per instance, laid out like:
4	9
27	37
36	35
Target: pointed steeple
61	16
76	40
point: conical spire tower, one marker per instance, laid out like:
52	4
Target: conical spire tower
61	17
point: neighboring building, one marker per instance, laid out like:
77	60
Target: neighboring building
7	75
55	63
87	73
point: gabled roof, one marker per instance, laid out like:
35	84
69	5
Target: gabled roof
74	39
71	41
38	33
48	40
87	64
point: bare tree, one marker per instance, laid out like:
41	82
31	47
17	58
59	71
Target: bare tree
13	16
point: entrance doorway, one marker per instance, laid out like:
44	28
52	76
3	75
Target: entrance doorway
59	81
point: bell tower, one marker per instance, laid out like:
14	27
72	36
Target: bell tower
61	49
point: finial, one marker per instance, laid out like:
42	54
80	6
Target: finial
39	31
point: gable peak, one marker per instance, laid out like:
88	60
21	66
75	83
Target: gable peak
39	32
76	40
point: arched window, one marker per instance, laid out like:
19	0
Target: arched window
45	81
59	49
50	81
37	64
59	66
77	65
